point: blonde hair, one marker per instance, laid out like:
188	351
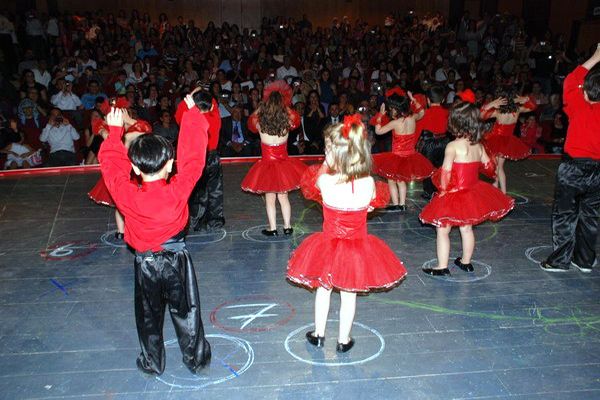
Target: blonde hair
352	155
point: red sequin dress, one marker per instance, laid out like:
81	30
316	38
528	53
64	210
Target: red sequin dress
466	200
344	256
275	172
501	142
403	163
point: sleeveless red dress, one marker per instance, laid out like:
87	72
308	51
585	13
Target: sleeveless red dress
275	172
466	199
403	163
501	142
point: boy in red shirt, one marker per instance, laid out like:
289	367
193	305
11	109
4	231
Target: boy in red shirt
577	194
156	215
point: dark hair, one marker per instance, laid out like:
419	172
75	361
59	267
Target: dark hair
150	153
436	94
203	100
273	116
591	83
510	95
401	104
464	122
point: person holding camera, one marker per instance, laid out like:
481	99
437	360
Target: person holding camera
66	100
60	136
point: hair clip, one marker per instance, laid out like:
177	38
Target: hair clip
349	120
467	95
395	90
122	102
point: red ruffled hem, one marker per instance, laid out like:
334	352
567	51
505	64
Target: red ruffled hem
349	265
101	195
479	203
414	167
274	176
505	146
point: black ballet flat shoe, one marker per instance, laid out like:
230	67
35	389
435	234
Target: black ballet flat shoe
288	231
267	232
392	208
464	267
436	272
402	208
342	348
119	236
318	341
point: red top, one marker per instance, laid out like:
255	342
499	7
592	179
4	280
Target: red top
404	145
158	210
583	136
463	175
274	152
435	120
214	122
503	129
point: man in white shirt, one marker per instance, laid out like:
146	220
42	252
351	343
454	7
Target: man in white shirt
287	71
41	74
60	136
441	75
66	100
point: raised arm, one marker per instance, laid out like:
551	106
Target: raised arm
379	129
488	110
572	87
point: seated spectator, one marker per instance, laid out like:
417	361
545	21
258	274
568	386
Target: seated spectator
66	100
18	153
30	122
41	73
89	99
287	71
442	73
166	127
61	137
28	82
334	114
314	119
531	132
234	139
120	85
298	138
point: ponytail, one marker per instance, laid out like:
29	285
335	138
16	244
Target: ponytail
350	148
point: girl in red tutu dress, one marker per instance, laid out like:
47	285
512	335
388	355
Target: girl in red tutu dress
275	174
133	129
463	200
501	143
403	164
344	256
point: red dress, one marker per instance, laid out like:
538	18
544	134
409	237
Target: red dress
501	142
403	163
275	172
466	199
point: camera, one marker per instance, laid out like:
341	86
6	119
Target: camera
362	109
253	34
542	43
280	26
217	47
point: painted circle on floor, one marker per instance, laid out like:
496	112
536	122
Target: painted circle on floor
519	198
68	250
108	238
481	271
370	344
254	234
252	314
533	253
231	357
206	237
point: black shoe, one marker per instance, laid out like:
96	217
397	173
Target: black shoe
393	208
585	270
267	232
436	272
318	341
551	268
288	231
426	196
148	373
342	348
402	208
119	236
464	267
216	224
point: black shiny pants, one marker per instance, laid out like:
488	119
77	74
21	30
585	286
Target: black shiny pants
168	279
575	213
206	201
433	148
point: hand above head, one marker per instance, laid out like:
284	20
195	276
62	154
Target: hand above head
189	101
115	117
382	108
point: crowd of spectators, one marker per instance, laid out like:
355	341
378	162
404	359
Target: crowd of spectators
55	70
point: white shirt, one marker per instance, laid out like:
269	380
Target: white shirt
66	101
304	136
52	28
33	27
89	63
43	78
375	76
441	76
60	137
283	72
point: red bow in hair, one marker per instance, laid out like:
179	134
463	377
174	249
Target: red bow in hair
105	106
395	90
349	121
283	88
122	102
467	95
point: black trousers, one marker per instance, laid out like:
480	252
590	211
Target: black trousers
575	213
61	158
168	279
206	200
433	148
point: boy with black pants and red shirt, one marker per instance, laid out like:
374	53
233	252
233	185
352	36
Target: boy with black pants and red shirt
157	215
577	193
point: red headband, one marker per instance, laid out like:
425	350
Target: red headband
122	102
283	88
395	90
349	121
467	95
105	107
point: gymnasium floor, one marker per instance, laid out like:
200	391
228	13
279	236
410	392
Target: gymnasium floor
507	331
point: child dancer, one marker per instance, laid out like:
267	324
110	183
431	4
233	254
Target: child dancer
501	143
157	215
344	256
275	174
403	163
463	200
134	128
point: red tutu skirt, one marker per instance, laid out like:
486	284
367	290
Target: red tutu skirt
100	194
506	146
274	176
470	206
413	167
